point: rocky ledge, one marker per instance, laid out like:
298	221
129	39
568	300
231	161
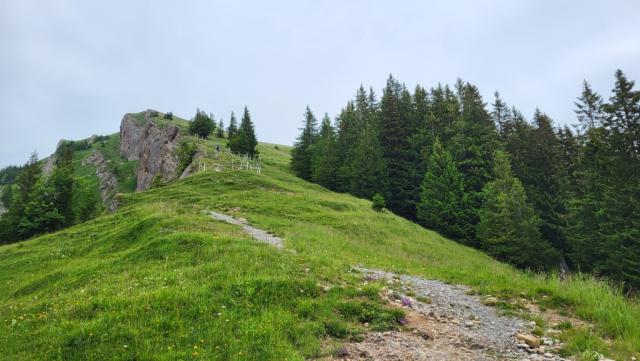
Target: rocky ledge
108	181
153	145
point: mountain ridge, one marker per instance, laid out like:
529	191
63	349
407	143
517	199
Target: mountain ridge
159	279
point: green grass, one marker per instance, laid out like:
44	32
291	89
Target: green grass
154	276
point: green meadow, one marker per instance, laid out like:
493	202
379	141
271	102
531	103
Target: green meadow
161	280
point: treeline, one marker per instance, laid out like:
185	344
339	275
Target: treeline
242	139
38	203
529	193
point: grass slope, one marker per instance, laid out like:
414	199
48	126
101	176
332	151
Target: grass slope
161	280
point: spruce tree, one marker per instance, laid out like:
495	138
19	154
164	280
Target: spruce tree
220	130
508	228
233	127
474	138
365	157
622	118
501	114
588	108
443	203
302	152
586	208
544	178
347	137
620	222
246	141
395	130
324	160
62	183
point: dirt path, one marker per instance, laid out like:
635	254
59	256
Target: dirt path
257	234
443	322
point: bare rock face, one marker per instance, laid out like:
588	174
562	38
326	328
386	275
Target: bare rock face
130	135
50	164
151	144
108	181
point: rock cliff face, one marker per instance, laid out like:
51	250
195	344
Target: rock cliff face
151	144
50	164
108	181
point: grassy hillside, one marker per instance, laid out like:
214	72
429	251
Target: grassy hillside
161	280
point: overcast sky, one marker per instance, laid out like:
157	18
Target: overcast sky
70	69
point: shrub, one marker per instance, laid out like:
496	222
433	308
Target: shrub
168	115
378	202
186	152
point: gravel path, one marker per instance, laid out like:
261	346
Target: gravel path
457	325
256	233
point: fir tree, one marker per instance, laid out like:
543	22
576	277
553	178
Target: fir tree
543	179
508	228
622	118
588	108
348	136
396	152
40	213
233	127
365	156
443	202
619	221
302	152
220	130
324	160
245	139
501	114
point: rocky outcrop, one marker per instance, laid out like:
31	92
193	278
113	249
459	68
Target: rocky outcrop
153	145
50	164
108	181
130	136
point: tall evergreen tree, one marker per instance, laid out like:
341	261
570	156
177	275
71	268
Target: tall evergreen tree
501	113
569	157
220	130
63	183
348	136
622	118
586	216
325	159
474	138
365	157
233	127
588	108
508	228
543	178
620	221
245	141
302	152
443	201
394	139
